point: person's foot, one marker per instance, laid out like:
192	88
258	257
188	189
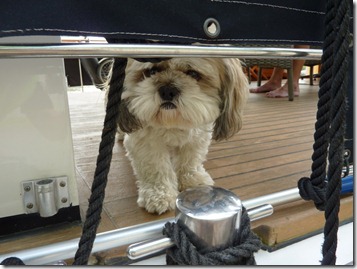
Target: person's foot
267	87
282	92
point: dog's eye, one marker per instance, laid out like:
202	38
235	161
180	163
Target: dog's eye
152	71
194	74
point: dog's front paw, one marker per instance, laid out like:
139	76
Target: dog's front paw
157	201
194	179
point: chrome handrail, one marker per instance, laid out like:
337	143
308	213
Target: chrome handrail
152	51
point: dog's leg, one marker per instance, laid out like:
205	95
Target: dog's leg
188	163
156	179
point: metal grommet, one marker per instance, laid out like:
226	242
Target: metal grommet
347	153
211	27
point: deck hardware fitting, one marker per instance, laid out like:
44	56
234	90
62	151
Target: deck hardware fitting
45	196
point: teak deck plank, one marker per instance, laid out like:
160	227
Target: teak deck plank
297	220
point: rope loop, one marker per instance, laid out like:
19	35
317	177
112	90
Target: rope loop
188	250
308	191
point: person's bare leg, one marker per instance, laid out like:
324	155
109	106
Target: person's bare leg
283	91
273	83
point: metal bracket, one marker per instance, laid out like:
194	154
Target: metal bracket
46	195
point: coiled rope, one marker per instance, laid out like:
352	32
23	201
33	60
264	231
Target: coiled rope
330	126
188	249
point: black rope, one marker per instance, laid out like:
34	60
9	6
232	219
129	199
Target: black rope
337	130
330	126
188	250
96	199
313	188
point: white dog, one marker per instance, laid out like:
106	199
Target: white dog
169	112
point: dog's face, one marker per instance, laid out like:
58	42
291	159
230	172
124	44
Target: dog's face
184	93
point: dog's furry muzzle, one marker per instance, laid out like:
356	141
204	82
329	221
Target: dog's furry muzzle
168	106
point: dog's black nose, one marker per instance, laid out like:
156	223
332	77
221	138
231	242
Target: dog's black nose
168	92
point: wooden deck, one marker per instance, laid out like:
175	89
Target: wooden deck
270	154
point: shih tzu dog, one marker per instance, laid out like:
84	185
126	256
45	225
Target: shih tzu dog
169	113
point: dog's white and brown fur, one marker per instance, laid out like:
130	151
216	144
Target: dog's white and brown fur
169	112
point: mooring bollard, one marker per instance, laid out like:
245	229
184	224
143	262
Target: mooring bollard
213	214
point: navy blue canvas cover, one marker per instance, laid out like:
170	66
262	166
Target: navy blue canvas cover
171	21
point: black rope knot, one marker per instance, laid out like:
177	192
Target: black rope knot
189	251
308	191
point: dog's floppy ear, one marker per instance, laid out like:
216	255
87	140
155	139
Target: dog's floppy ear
234	92
127	122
